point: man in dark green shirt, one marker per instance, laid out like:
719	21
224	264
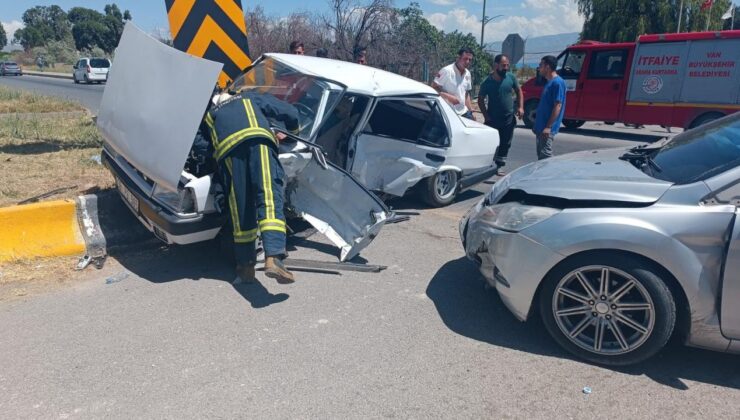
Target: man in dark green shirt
498	90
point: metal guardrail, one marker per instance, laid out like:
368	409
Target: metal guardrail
48	74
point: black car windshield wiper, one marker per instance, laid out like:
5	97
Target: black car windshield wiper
651	147
642	158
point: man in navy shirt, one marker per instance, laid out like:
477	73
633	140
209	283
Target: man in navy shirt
551	108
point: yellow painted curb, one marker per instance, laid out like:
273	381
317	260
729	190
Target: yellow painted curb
40	230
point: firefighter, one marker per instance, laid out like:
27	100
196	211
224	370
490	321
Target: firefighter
246	150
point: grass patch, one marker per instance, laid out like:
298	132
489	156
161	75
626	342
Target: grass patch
17	277
43	152
22	102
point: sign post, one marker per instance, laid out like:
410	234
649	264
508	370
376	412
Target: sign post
513	47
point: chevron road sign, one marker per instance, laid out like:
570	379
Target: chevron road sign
212	29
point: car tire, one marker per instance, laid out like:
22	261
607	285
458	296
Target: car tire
440	189
573	124
74	79
530	113
644	316
705	118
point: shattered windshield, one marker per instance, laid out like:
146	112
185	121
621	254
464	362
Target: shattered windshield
310	95
699	154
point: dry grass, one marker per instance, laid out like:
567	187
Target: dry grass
44	152
22	279
25	278
29	277
21	101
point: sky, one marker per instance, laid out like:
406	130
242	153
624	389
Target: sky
529	18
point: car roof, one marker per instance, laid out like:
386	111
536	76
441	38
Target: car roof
358	78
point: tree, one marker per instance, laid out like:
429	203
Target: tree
274	34
697	19
733	23
43	24
356	25
3	37
93	29
625	20
80	14
417	43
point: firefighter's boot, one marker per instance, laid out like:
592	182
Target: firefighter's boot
244	274
275	269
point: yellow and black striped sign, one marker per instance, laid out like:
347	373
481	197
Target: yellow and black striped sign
212	29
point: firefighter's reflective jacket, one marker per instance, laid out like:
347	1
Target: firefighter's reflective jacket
247	116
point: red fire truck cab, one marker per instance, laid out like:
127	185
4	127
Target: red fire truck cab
675	80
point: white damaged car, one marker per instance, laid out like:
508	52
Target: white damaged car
362	130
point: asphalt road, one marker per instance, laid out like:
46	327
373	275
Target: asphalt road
88	95
422	339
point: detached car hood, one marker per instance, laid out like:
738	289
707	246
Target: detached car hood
593	175
153	103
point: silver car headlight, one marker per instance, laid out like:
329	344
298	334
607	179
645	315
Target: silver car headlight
514	217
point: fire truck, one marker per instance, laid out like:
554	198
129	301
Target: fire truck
674	80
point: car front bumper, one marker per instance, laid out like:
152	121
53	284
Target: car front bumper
163	223
510	261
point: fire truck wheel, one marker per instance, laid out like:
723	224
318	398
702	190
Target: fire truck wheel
705	118
573	124
530	113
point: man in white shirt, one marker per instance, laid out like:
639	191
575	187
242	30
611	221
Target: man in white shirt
454	83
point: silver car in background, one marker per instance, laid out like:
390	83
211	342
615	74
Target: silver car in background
621	249
10	67
91	70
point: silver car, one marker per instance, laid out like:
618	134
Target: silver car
618	250
91	70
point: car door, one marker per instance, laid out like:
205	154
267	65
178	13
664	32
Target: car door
402	141
570	64
726	190
603	85
730	310
332	201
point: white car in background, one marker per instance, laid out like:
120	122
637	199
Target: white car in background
90	70
362	129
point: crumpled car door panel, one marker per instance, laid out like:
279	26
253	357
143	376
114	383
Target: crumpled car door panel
333	202
393	166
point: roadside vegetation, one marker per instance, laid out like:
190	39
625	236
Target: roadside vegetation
47	144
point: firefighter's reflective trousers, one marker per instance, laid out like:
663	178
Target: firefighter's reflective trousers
253	178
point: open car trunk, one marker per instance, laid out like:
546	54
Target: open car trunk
150	121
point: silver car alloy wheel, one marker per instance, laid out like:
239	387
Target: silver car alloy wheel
603	310
445	184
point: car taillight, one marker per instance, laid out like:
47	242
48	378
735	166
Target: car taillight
88	69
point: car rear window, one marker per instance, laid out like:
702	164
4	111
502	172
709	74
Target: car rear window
99	63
